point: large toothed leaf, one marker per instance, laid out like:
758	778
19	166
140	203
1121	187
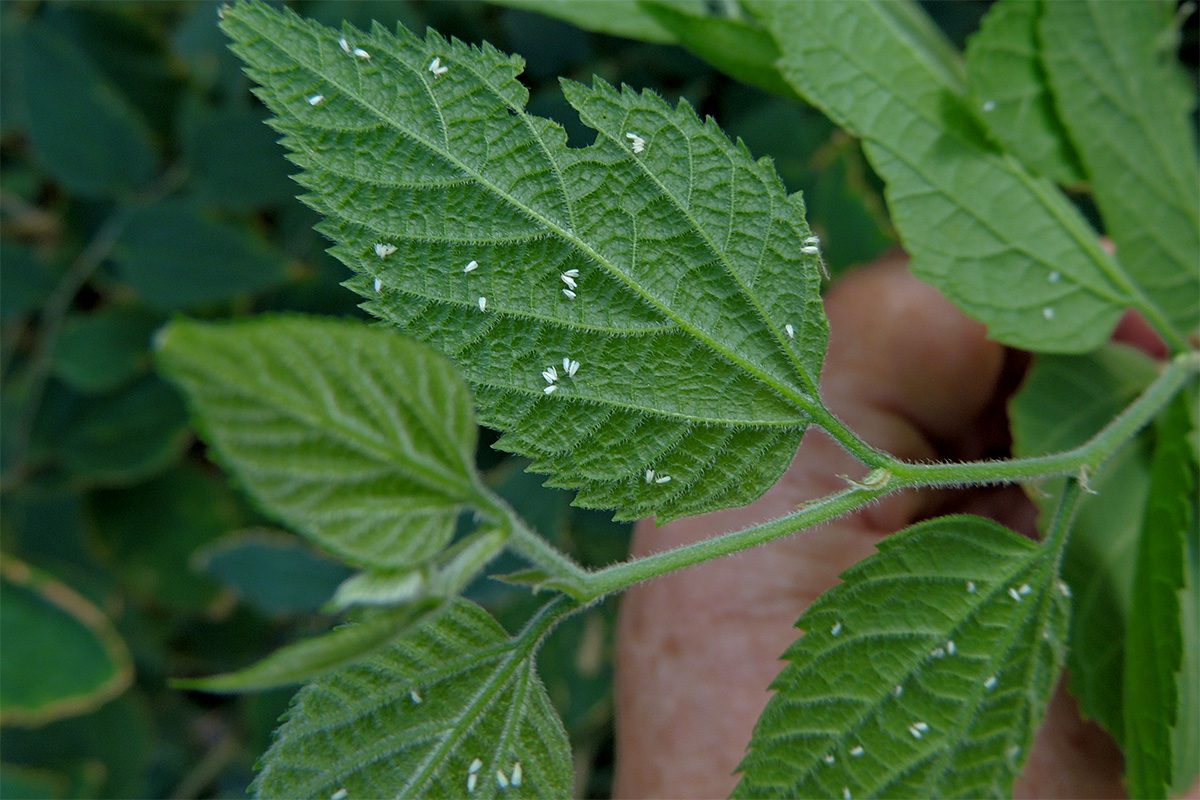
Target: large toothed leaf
354	436
935	656
1112	68
410	721
1005	246
688	254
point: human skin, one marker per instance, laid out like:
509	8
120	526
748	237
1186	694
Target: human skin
698	648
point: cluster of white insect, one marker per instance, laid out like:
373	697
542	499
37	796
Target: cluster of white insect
471	266
938	652
1019	592
918	729
357	52
639	144
383	250
513	778
836	629
436	67
569	278
316	99
651	477
550	373
812	245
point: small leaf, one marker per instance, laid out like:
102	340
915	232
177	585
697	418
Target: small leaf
273	571
1112	68
685	258
736	46
306	659
615	17
83	131
101	351
178	258
1008	87
1063	402
1154	643
61	655
454	699
936	657
354	436
1017	256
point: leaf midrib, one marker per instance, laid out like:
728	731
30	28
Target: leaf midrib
802	401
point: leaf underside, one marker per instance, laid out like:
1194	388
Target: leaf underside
410	720
359	438
1015	255
925	638
688	258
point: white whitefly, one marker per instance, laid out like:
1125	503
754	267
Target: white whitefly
663	479
938	652
316	99
346	48
568	280
810	250
836	629
1048	313
1014	594
814	239
436	67
476	765
482	301
515	775
550	374
378	285
846	793
990	683
951	647
899	690
383	250
501	779
1025	589
1054	276
857	750
970	587
472	781
415	696
361	55
572	273
571	366
649	476
551	389
1063	589
1013	752
569	294
829	758
790	331
340	794
471	266
989	105
639	144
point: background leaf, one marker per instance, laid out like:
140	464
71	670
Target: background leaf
1009	90
1018	256
101	351
617	17
456	690
1112	69
935	656
1062	403
678	262
355	436
61	655
1154	643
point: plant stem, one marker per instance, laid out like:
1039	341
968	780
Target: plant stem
592	586
527	543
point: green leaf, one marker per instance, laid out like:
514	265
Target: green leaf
103	350
178	258
83	131
736	46
616	17
1062	403
1154	642
1006	247
1111	66
1186	734
688	258
61	654
31	784
27	281
1008	87
412	720
936	657
318	655
273	571
233	158
355	436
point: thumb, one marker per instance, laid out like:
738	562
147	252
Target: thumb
697	649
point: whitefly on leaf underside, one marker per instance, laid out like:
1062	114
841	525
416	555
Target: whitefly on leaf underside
671	267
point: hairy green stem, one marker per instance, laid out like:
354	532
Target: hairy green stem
890	477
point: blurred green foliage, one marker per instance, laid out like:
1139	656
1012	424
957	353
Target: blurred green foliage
137	181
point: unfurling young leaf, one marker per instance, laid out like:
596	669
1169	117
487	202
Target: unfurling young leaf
452	710
670	266
357	437
924	674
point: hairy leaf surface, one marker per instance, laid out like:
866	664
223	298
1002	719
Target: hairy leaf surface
1008	85
1112	69
685	258
935	656
1063	402
1154	651
411	720
354	436
1005	246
